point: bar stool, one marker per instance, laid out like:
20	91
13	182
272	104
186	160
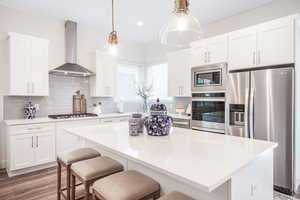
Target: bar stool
127	185
89	171
175	196
66	161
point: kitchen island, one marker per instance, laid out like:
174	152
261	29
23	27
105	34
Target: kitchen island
203	165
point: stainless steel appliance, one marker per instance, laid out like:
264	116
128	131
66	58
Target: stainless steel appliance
208	112
260	105
71	116
209	78
71	67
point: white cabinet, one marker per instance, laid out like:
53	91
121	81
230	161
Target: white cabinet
209	51
276	42
22	151
104	83
242	49
45	148
267	44
30	145
67	142
25	70
179	74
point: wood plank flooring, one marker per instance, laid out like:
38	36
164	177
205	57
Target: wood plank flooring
41	185
34	186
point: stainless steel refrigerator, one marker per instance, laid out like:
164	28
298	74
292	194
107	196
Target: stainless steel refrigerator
260	105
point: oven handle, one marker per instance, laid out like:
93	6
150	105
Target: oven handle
209	99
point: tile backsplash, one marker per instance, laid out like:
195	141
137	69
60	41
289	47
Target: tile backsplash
62	89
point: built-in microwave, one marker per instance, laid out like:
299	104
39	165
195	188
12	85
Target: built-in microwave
209	78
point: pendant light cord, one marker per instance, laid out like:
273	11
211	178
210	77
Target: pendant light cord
113	15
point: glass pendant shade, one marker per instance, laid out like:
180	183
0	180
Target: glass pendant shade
182	27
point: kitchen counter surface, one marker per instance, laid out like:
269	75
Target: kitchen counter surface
202	159
49	120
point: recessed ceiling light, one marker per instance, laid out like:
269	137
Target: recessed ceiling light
140	23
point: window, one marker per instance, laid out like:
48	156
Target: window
128	77
157	75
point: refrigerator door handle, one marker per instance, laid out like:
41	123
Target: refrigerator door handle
251	114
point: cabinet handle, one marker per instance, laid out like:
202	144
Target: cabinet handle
37	141
28	86
32	141
254	59
208	56
32	87
258	57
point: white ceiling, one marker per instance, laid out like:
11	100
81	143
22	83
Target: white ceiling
154	13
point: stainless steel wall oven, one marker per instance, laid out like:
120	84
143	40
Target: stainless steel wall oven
208	112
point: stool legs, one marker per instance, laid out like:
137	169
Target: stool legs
73	187
58	180
87	190
68	182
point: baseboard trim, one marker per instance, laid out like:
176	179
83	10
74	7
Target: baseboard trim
29	170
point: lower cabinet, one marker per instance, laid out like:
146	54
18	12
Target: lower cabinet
30	146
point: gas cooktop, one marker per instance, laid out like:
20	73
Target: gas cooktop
71	116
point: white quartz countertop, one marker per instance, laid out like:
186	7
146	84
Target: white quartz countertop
204	160
49	120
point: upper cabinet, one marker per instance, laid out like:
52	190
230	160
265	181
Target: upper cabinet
179	74
209	51
103	84
267	44
25	66
242	49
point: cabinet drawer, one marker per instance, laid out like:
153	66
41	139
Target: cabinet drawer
115	120
24	129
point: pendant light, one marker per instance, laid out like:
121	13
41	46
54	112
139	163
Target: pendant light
182	28
112	42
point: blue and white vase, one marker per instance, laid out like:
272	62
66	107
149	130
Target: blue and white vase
158	123
29	111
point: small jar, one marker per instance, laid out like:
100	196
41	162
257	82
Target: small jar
136	125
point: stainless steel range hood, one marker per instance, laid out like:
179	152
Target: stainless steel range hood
71	68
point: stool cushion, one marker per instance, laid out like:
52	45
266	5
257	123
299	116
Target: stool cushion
127	185
79	155
96	168
175	196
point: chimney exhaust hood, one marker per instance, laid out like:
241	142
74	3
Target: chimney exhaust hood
71	68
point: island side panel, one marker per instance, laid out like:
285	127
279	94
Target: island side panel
254	182
169	184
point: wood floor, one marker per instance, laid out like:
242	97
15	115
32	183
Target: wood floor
41	185
35	186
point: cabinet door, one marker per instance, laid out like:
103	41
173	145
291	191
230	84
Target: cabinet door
242	49
276	42
104	84
22	151
179	73
45	147
39	67
19	58
199	55
217	49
